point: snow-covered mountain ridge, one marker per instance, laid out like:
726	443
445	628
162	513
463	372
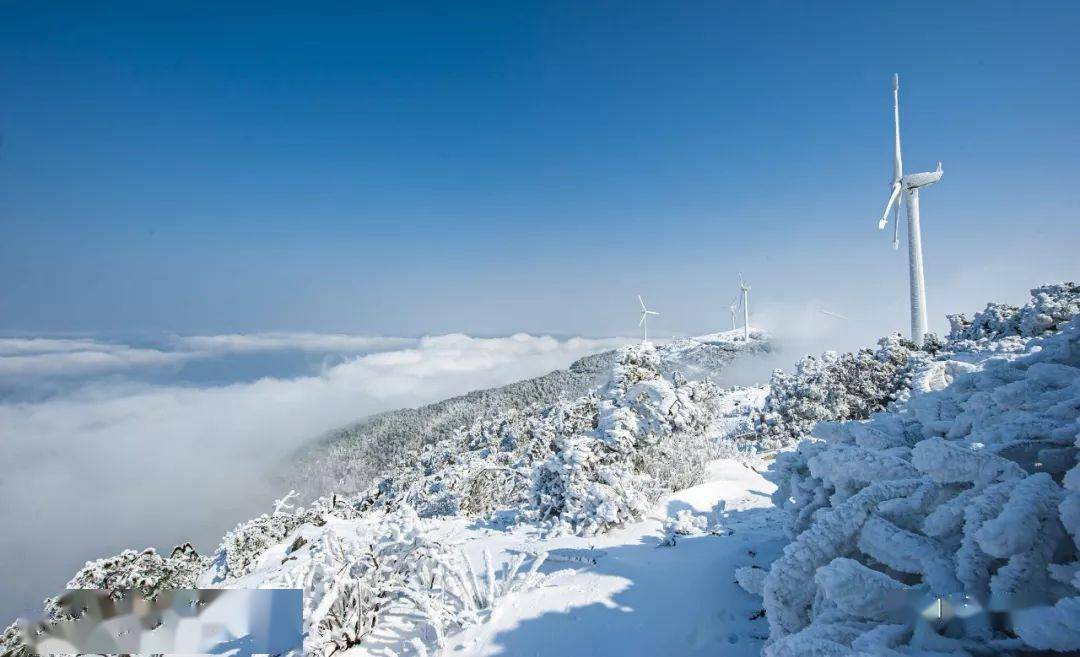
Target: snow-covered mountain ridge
351	459
923	502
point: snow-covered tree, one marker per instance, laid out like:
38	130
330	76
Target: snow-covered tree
244	544
649	438
834	387
355	575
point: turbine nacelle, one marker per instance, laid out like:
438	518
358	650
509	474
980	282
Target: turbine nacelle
917	180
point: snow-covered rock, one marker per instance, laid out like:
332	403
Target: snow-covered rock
1050	307
918	529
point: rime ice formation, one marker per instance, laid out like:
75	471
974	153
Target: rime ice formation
965	496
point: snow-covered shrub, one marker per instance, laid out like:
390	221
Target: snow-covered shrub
751	579
834	387
242	546
1050	307
146	571
356	574
683	523
649	438
247	541
12	644
964	500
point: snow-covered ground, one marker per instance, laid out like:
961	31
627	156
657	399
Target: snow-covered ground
618	594
623	594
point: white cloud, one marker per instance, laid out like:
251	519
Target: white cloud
80	357
108	468
81	363
23	346
318	342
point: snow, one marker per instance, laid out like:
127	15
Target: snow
603	595
962	495
637	598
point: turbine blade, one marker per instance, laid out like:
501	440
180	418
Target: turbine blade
642	319
641	301
884	221
651	312
896	227
898	164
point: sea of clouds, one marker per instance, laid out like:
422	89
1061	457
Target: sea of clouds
117	447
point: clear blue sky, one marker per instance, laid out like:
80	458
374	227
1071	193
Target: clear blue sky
521	166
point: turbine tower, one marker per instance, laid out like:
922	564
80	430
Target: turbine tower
644	323
908	187
745	290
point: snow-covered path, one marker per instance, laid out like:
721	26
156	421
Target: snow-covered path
622	595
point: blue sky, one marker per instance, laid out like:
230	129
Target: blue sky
491	168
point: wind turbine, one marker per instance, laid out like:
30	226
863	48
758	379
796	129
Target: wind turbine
908	187
744	289
644	323
734	306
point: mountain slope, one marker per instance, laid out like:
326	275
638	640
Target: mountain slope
580	466
350	459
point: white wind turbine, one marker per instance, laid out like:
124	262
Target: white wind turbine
644	323
909	186
745	291
734	306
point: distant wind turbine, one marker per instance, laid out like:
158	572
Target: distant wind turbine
734	306
832	314
908	187
745	290
644	323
